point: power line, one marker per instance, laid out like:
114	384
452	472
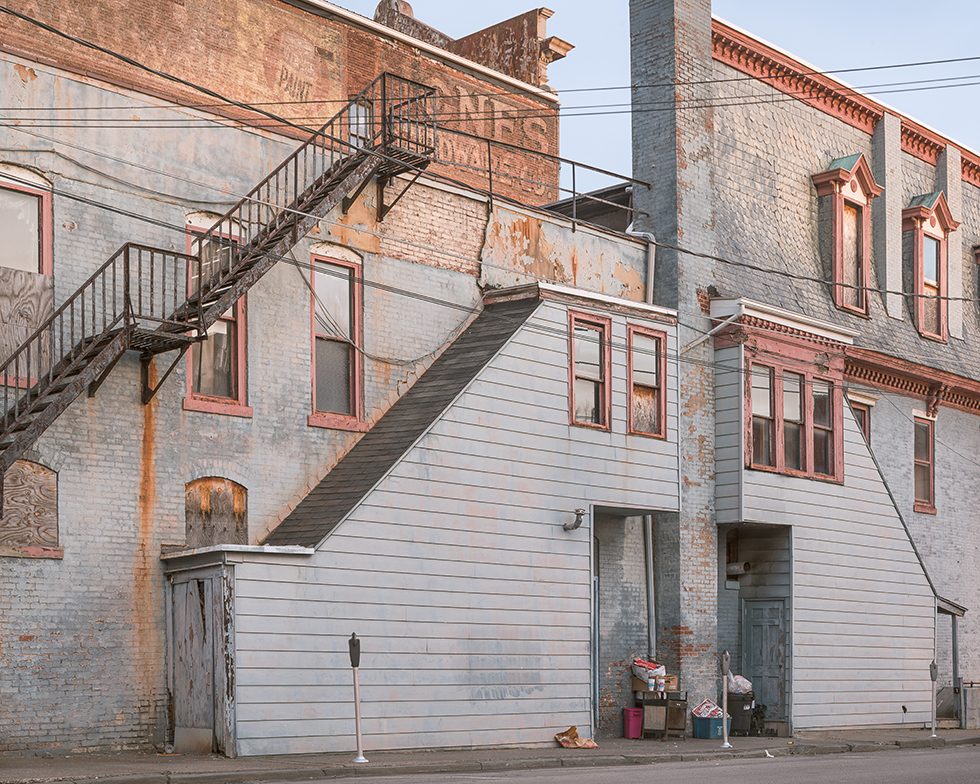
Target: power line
480	114
517	91
459	117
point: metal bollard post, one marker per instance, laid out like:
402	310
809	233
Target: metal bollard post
355	663
726	667
934	674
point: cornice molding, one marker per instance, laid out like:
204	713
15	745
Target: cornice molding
788	75
935	387
754	58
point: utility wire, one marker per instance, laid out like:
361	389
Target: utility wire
460	117
536	93
859	90
447	253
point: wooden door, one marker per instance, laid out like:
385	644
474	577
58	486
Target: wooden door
196	647
764	653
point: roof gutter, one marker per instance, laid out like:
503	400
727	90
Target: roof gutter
382	30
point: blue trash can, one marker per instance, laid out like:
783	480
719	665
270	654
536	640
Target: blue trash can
707	729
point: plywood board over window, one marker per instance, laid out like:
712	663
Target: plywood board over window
215	512
29	525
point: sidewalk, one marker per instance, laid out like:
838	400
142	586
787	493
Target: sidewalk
145	768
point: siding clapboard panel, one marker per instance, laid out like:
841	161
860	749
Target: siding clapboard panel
863	614
473	605
728	433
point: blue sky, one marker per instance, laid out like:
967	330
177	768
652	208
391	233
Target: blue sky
829	34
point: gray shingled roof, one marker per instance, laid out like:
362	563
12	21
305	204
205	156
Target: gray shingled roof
385	443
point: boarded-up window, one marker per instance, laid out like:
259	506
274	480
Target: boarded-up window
215	512
20	220
30	507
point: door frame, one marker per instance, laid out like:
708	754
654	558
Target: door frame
223	651
744	648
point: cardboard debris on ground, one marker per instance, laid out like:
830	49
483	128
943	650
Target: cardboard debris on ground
570	739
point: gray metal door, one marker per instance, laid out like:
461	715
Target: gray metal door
764	653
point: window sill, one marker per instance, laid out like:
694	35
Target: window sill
591	426
642	434
33	551
831	480
217	406
337	422
923	507
859	312
933	337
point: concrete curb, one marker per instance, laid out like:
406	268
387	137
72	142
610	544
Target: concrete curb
350	770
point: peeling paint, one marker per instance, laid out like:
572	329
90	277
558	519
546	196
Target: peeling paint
25	73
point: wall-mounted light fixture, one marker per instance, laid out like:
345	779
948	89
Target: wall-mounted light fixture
577	523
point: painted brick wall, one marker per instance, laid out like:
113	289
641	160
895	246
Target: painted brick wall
622	615
82	638
671	45
271	51
949	541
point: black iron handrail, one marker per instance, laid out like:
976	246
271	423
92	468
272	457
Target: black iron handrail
391	119
137	286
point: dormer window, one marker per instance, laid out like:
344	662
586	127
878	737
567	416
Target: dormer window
926	225
845	191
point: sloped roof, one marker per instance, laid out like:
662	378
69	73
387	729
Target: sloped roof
384	444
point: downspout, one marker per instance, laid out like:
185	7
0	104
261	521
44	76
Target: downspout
651	269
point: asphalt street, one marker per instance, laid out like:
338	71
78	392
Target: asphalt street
942	766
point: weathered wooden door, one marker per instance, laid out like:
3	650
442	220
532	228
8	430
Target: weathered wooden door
197	649
764	653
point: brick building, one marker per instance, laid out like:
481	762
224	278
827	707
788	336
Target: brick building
379	341
828	244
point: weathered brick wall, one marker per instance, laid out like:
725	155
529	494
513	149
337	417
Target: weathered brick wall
82	639
671	47
622	615
736	181
258	51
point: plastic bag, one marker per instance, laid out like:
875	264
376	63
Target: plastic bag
738	685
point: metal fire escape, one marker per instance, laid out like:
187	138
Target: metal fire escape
157	301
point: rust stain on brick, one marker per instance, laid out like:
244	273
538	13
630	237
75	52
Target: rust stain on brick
143	599
25	73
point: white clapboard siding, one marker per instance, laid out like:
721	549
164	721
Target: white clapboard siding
729	407
473	605
863	613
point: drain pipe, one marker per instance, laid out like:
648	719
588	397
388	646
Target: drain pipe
651	261
648	519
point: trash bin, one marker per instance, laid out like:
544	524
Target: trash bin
740	709
633	723
708	728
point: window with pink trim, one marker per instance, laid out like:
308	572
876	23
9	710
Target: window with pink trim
217	369
590	369
337	334
924	458
794	422
927	224
647	377
26	226
846	191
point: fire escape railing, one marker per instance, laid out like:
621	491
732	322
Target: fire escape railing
391	122
155	301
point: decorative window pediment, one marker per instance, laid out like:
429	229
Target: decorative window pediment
846	190
926	225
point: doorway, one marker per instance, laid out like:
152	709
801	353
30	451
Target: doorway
198	668
764	653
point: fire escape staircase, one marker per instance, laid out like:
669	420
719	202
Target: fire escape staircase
155	301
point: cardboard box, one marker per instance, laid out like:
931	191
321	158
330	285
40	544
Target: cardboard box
670	682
